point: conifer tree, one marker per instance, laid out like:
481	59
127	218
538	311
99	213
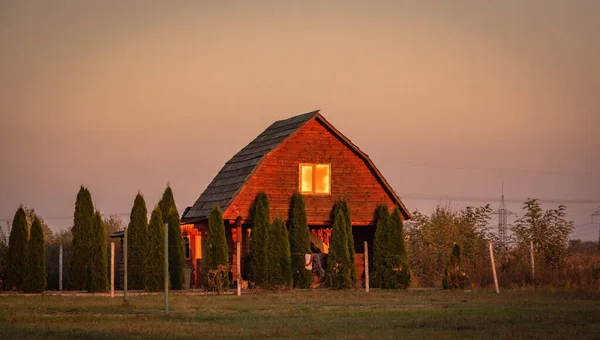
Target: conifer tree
155	264
380	270
338	260
35	279
83	220
97	278
279	265
348	221
259	239
397	261
17	250
217	255
453	276
170	215
299	242
137	244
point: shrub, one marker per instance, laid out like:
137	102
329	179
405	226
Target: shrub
17	250
97	279
170	215
258	240
299	242
83	221
279	266
381	275
348	222
155	262
453	276
338	259
137	244
36	257
397	261
217	259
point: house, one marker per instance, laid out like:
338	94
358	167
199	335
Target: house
304	153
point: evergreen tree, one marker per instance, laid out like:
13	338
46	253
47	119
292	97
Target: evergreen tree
259	239
299	242
338	260
97	278
453	276
155	263
17	250
380	269
83	220
170	215
137	244
35	279
396	249
217	255
346	209
279	264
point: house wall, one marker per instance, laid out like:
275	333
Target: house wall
278	176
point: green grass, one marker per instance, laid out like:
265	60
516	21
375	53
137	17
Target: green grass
530	314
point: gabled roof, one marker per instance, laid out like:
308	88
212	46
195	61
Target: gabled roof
240	167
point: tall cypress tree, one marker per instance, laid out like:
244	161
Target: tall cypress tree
97	278
258	241
170	215
397	262
155	264
380	271
299	242
338	260
83	220
35	278
137	244
279	265
17	250
217	254
348	221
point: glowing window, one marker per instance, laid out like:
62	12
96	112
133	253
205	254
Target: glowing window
315	178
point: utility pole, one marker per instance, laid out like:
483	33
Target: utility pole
503	214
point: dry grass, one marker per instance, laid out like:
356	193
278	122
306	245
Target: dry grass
433	314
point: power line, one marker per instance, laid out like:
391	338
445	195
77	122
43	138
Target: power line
438	197
478	168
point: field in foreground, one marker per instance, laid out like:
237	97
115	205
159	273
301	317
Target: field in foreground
436	314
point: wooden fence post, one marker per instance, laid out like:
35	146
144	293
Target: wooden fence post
112	269
366	267
60	267
239	270
532	261
494	267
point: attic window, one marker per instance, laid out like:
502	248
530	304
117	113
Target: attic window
315	178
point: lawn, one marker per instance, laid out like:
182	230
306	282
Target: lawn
431	314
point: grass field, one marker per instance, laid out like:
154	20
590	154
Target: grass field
431	314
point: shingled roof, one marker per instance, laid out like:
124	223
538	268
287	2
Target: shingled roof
240	167
236	171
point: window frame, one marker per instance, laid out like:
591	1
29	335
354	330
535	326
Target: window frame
187	249
314	174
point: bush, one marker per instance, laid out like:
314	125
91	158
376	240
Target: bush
83	221
454	277
17	251
338	259
351	247
381	275
217	259
170	215
259	239
137	244
97	279
36	257
279	266
299	242
397	261
155	262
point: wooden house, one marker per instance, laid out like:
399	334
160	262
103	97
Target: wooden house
303	154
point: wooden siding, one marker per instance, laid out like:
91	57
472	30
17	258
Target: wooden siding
277	175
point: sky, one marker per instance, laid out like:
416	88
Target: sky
449	98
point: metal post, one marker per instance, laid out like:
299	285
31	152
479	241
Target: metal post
366	267
60	267
239	272
166	267
494	268
112	269
125	265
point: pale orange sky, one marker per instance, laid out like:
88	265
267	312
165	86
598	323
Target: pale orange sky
125	97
